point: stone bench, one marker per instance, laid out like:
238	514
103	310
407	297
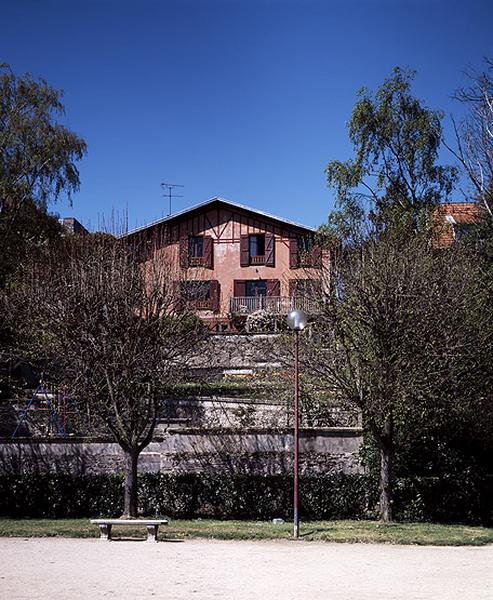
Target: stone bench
151	524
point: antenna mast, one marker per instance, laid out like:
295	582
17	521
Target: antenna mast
167	192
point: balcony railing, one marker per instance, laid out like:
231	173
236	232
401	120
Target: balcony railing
245	305
201	304
257	260
197	261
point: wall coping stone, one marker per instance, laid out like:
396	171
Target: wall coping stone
304	432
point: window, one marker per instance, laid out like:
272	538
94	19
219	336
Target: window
304	252
258	249
196	251
257	245
255	288
196	246
251	295
305	244
200	294
196	292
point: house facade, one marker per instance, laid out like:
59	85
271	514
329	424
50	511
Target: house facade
230	261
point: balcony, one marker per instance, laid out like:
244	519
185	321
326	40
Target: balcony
276	305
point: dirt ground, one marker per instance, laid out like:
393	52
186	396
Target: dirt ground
200	569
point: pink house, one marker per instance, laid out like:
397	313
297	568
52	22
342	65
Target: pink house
230	260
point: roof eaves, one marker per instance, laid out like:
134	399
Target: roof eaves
225	201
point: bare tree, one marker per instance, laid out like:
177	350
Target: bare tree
474	135
402	327
103	325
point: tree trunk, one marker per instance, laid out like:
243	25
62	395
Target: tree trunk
386	455
385	439
130	493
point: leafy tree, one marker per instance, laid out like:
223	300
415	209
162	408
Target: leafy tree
405	337
37	164
402	326
393	176
103	326
474	152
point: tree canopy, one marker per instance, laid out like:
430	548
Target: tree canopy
38	156
404	328
405	336
394	173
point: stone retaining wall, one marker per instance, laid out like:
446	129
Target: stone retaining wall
193	450
249	352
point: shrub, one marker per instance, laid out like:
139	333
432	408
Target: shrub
261	321
60	496
242	496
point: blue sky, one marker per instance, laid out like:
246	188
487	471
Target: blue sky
245	99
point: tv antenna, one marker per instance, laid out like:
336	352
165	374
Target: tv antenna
168	192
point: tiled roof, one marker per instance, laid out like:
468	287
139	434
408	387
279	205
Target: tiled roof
226	202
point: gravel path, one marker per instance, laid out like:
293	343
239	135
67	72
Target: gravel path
201	569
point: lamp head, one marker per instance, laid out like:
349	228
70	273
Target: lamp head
297	320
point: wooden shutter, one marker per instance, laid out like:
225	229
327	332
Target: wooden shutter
293	287
215	295
270	249
316	256
293	253
239	288
244	251
273	287
208	252
184	252
316	287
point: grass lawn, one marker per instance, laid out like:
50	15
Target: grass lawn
371	532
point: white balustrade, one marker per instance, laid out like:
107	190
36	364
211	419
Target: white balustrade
245	305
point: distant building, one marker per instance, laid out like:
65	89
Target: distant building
230	260
454	219
71	225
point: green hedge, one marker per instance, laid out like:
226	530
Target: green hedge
225	496
468	499
60	496
254	496
186	496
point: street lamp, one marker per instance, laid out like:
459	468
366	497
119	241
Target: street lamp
297	320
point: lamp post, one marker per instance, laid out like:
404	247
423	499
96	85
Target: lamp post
297	321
